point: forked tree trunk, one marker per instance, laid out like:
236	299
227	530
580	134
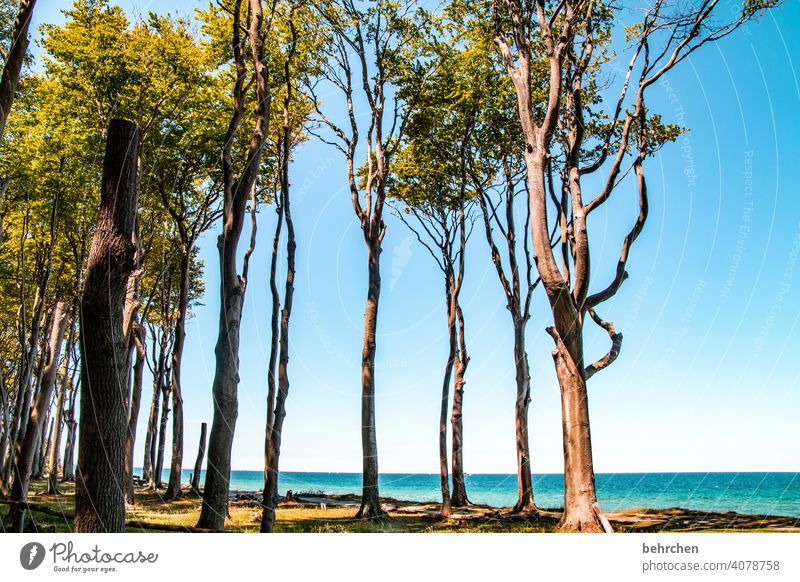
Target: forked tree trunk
100	486
198	463
26	449
370	496
523	378
138	339
176	464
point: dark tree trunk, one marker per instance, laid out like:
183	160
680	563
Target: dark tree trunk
138	339
232	286
99	491
176	464
275	423
198	463
370	497
31	440
150	436
162	438
444	476
14	60
45	437
459	497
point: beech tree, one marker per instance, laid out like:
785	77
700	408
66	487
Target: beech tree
363	52
569	136
99	498
238	187
431	183
297	48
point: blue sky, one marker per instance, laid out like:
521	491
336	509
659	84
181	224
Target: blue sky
707	379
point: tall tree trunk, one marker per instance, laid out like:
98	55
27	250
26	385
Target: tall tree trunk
198	463
174	486
232	286
138	338
275	427
459	497
523	378
14	60
100	486
370	497
55	445
581	512
444	477
31	440
162	438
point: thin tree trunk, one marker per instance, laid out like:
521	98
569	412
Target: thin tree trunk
174	486
459	497
162	437
15	60
138	338
27	447
72	433
198	463
524	480
149	440
44	446
370	497
55	445
444	477
276	427
99	491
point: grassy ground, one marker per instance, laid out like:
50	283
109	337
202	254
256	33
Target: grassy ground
404	517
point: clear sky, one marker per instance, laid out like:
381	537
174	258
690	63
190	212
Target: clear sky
707	379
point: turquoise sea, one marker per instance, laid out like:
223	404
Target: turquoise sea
754	493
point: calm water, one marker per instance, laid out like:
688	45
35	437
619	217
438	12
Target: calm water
757	493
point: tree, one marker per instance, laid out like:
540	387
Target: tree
238	187
298	51
430	180
99	497
568	135
364	47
